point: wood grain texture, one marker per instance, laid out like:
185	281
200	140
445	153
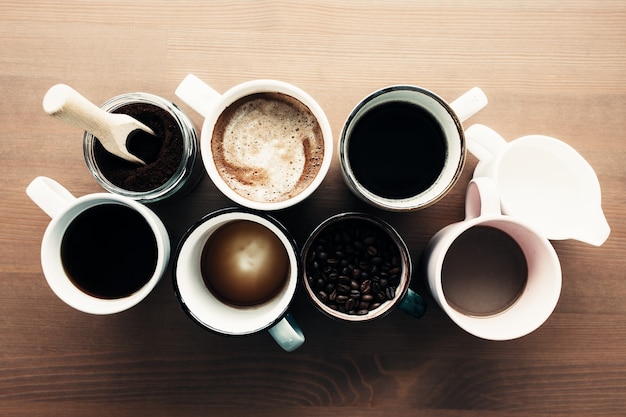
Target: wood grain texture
550	67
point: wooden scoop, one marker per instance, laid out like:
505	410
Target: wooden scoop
111	129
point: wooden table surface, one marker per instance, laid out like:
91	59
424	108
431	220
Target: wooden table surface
552	67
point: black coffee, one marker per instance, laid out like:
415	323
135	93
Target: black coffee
397	150
109	251
484	272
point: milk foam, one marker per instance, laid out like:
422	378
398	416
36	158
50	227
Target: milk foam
270	148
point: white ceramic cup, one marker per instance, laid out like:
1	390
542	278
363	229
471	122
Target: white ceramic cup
543	181
214	314
58	203
447	116
540	295
210	104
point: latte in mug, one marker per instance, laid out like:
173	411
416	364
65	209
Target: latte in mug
267	147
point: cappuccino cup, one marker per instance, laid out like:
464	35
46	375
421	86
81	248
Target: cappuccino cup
236	272
101	253
403	148
495	276
265	144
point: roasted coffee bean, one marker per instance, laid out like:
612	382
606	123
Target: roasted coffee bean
394	280
390	292
354	267
341	299
351	303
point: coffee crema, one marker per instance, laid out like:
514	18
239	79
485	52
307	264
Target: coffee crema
267	147
244	263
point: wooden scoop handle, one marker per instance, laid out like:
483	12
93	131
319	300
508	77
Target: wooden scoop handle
67	104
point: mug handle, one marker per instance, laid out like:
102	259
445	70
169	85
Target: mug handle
197	94
287	333
482	198
413	304
483	142
469	103
49	195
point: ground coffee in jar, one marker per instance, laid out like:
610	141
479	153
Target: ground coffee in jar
172	160
162	152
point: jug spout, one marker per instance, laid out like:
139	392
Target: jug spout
594	229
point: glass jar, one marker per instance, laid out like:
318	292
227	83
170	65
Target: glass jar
114	174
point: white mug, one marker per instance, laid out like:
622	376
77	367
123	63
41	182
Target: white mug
543	181
411	156
211	104
65	209
212	312
540	293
